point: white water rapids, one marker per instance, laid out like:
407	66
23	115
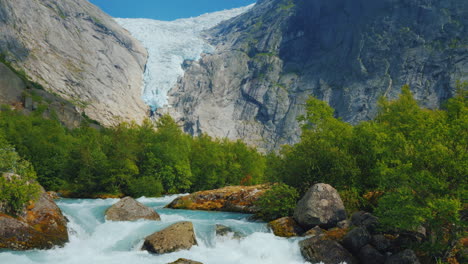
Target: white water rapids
95	240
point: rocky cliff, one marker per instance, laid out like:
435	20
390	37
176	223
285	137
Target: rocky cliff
74	50
348	53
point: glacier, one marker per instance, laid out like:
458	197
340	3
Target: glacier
169	43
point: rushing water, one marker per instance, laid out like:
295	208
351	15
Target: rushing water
95	240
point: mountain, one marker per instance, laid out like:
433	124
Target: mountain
73	50
269	60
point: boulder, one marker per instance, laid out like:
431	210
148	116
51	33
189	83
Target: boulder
355	239
370	255
128	209
345	224
222	230
327	251
380	242
176	237
366	220
322	206
40	226
405	257
313	232
230	199
185	261
286	227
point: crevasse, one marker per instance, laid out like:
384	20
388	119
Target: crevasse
169	43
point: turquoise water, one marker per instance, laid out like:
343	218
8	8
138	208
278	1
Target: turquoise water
95	240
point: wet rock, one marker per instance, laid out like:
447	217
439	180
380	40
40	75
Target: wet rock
40	226
365	219
128	209
322	206
230	199
355	239
185	261
179	236
222	230
286	227
327	251
405	257
313	232
370	255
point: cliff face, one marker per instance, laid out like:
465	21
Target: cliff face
74	50
348	53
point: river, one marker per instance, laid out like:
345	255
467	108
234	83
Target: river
95	240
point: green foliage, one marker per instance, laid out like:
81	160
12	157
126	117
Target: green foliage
415	158
17	180
277	202
145	186
148	159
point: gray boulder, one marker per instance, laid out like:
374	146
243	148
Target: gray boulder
380	242
405	257
321	206
369	255
365	219
319	249
355	239
176	237
128	209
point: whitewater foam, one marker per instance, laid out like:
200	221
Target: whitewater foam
169	43
95	240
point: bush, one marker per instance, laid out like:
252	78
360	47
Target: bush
277	202
145	186
17	181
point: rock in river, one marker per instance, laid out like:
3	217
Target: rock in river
128	209
39	226
176	237
230	199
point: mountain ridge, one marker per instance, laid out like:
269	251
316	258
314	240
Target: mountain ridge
271	58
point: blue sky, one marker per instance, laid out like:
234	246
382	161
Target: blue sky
165	9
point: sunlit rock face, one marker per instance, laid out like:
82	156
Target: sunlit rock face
269	60
74	50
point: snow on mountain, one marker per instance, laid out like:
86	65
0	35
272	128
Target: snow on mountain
169	43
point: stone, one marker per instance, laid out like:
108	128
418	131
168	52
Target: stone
313	232
179	236
327	251
230	199
87	58
222	230
286	227
321	205
345	224
129	209
185	261
380	242
355	239
370	255
40	226
405	257
365	219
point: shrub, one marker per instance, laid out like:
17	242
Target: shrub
145	186
17	181
277	202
